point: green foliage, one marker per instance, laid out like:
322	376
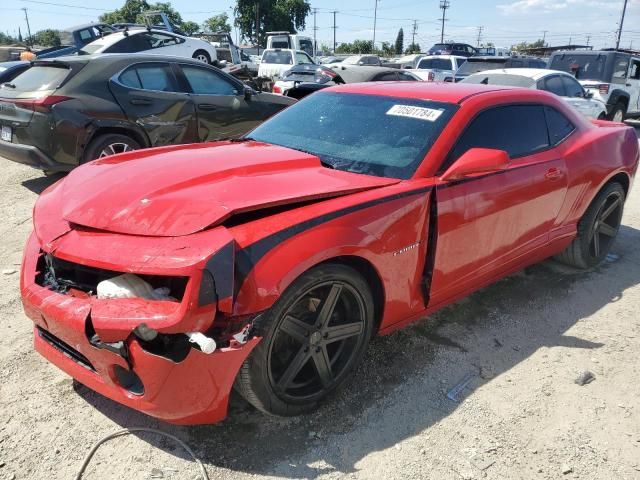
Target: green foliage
274	15
524	45
413	48
399	46
6	39
46	38
217	23
358	46
388	50
190	27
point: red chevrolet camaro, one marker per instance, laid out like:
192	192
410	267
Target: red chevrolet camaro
163	278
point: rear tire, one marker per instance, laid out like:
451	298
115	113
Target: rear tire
597	229
107	145
618	113
313	338
202	56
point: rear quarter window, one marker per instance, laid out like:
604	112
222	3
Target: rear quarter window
560	127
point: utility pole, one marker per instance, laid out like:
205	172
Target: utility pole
624	10
480	34
570	38
334	30
375	17
413	35
544	36
28	27
588	39
444	5
315	29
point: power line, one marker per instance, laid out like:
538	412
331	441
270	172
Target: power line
64	5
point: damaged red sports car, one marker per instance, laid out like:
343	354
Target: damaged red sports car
163	278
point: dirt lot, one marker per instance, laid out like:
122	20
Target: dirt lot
524	341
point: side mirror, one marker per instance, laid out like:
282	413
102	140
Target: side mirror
248	93
588	94
477	161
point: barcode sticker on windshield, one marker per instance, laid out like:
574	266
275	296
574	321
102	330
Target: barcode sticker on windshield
420	113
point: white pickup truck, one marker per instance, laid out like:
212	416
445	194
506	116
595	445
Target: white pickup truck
434	68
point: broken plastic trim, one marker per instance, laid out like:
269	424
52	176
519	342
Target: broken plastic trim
69	278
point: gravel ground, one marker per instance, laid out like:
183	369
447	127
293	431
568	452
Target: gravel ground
522	343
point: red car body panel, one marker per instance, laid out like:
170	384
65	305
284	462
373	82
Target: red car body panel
255	217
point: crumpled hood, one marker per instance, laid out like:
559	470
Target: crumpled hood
175	191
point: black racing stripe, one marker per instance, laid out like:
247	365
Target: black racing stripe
220	267
249	256
455	183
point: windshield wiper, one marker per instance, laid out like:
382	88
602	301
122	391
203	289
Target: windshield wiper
327	164
9	85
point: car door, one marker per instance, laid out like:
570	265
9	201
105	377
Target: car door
633	84
222	110
148	94
486	223
575	96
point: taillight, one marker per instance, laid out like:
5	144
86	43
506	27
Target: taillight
603	88
43	104
328	73
276	89
431	77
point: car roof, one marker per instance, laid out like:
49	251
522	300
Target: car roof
118	57
436	91
532	73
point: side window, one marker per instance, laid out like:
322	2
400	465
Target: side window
517	64
130	44
407	77
303	58
85	36
159	40
572	87
634	71
517	129
386	77
554	84
153	76
206	82
560	127
620	68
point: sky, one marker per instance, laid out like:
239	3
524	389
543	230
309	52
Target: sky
503	22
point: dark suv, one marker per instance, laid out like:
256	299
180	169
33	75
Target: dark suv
461	49
67	111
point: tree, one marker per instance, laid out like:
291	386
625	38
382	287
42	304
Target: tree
217	23
274	15
399	42
524	45
46	38
6	39
190	27
388	50
358	46
413	48
132	12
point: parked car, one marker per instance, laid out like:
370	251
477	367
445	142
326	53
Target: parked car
10	70
276	61
358	74
460	49
612	76
558	83
287	40
366	60
74	38
156	42
67	111
353	213
493	51
435	68
301	80
481	64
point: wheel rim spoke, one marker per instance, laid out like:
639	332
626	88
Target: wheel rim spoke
342	332
610	209
596	243
607	230
323	366
299	361
329	305
296	328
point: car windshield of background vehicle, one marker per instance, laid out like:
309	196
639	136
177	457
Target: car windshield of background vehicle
469	67
583	67
369	134
436	63
505	79
279	58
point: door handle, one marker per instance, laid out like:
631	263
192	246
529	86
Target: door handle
140	101
206	106
553	174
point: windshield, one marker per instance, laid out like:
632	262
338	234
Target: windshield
36	82
277	57
469	67
584	67
66	38
370	134
436	63
506	79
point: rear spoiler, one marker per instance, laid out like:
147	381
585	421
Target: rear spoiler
607	123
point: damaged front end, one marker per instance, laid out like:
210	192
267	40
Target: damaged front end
154	332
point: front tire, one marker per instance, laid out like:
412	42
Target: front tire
313	338
202	56
597	229
109	144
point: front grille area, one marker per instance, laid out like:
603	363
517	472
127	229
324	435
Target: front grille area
65	349
62	277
